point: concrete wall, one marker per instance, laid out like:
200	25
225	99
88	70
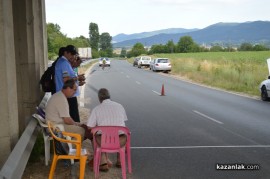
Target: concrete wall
23	53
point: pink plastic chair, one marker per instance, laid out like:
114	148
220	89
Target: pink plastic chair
110	144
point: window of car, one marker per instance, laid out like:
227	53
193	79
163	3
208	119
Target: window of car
146	58
163	60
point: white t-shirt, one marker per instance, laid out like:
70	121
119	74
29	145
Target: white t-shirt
108	113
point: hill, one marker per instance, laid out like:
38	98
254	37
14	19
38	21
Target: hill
230	33
124	37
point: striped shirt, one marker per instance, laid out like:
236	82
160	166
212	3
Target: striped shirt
108	113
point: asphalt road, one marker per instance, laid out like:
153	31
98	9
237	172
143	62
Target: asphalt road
190	130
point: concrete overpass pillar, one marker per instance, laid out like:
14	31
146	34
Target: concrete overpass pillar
30	52
8	88
23	57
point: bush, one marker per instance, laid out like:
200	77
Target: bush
95	53
38	149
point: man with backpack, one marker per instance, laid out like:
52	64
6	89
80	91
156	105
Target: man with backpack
47	79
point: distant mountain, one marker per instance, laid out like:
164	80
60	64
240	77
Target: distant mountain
124	37
232	33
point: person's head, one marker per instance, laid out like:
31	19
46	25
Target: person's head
103	94
70	52
77	61
61	51
69	88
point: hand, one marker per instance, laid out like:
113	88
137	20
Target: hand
81	78
77	124
81	83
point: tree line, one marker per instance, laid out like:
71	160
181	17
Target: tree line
187	45
100	43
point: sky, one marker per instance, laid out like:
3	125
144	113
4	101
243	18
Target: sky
136	16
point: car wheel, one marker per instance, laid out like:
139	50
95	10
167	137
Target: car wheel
264	95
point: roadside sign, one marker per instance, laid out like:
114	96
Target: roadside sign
268	64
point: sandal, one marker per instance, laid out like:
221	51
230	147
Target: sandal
118	164
103	167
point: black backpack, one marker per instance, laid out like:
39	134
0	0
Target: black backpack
60	147
47	79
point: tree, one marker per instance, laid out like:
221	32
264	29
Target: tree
123	52
81	42
245	47
186	44
56	39
216	48
93	35
137	50
158	49
170	47
105	41
105	45
260	48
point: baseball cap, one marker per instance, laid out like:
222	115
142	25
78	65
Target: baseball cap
71	49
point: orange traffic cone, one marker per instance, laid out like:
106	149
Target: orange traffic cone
162	91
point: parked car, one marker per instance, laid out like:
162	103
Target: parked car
161	64
265	85
135	62
144	61
265	89
106	61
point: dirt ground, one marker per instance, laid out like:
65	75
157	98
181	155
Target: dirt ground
38	170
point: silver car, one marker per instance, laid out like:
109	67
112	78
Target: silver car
161	64
144	61
265	85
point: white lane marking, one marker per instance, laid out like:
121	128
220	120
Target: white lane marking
212	119
156	92
200	147
128	76
138	82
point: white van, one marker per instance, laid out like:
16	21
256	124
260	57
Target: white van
144	61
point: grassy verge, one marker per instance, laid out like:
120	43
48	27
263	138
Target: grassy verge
82	69
234	71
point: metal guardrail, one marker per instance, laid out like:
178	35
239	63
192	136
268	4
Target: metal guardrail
18	158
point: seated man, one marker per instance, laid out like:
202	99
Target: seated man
57	109
108	113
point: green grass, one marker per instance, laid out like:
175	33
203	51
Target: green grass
235	71
37	154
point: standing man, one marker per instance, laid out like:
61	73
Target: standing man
63	72
107	113
57	109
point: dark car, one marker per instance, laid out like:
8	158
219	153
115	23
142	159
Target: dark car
135	62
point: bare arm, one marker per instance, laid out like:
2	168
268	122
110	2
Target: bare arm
69	121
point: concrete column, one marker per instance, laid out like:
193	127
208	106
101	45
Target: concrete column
8	88
31	54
